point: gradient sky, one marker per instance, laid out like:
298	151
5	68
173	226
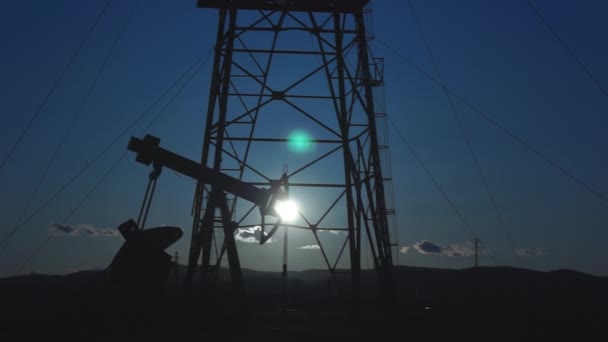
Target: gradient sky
495	54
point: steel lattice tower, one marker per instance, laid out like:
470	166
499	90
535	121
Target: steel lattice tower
283	66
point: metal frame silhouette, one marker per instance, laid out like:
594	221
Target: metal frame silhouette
332	94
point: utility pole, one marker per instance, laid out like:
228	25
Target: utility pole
176	271
476	240
284	294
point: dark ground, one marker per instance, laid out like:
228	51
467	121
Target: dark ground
430	304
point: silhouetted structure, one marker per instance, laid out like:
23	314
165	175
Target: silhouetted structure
176	266
150	153
264	76
142	265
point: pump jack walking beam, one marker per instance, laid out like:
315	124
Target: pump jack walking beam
149	152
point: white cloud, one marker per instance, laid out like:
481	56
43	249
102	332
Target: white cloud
80	230
310	247
252	235
527	252
404	249
427	247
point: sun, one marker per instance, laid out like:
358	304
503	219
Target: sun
287	210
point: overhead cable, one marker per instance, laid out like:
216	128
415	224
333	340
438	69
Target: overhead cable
77	114
495	123
55	85
464	133
438	186
87	166
566	47
100	180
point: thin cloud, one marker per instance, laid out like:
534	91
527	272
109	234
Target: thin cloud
333	231
529	252
427	247
310	247
252	235
89	230
456	250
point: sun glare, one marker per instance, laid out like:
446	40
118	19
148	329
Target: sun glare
287	210
300	141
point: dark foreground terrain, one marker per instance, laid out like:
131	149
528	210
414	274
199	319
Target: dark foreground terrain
431	304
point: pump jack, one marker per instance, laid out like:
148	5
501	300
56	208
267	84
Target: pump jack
140	242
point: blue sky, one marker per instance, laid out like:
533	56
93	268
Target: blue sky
495	54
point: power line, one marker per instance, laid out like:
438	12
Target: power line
194	72
539	154
55	85
436	184
566	47
40	247
463	132
200	60
72	212
90	192
77	113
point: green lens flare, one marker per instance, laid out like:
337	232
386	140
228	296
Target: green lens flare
299	141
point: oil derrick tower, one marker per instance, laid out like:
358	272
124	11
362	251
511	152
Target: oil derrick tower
291	105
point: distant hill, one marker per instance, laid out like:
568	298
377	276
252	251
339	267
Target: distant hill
530	303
